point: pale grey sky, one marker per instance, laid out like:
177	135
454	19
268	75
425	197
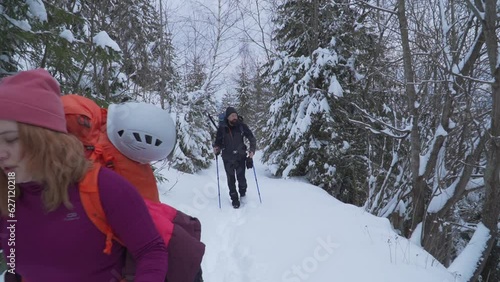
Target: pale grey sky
191	23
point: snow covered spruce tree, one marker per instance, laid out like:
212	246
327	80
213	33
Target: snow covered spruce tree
42	34
314	73
193	150
243	93
14	26
244	97
136	28
261	95
252	94
228	99
148	53
252	99
67	38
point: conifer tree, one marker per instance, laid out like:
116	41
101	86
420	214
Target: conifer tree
314	74
193	150
262	96
228	99
243	94
63	37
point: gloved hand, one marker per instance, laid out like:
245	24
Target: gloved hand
216	151
249	162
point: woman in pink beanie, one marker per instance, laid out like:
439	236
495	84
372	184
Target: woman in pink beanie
45	233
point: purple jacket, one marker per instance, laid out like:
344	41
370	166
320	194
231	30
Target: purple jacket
64	245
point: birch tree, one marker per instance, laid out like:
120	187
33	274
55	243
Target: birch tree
256	24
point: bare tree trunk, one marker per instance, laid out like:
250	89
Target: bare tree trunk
419	190
224	20
43	63
315	27
162	59
491	209
262	32
216	50
490	271
435	238
105	80
261	35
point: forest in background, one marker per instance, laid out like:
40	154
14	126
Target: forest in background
393	105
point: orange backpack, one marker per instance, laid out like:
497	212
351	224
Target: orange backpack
162	214
87	121
180	232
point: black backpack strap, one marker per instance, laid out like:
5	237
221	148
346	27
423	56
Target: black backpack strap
242	130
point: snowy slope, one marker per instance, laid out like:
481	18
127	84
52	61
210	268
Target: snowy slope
298	233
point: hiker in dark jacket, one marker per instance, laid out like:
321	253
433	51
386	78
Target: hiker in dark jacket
230	141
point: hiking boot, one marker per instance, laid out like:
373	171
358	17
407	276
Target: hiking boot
234	196
243	192
236	203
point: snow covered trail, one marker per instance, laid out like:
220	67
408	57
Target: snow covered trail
297	234
227	256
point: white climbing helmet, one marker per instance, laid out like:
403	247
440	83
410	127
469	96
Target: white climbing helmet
143	132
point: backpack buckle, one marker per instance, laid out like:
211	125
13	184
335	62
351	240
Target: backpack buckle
98	150
84	121
110	164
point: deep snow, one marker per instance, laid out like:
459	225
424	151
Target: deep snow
298	233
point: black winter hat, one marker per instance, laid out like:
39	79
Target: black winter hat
230	110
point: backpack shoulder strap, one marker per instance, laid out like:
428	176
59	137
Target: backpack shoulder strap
242	129
91	201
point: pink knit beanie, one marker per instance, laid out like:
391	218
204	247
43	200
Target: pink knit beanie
32	97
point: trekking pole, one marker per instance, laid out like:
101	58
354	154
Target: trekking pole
212	120
218	185
255	175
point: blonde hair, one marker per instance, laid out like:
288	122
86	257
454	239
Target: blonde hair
54	159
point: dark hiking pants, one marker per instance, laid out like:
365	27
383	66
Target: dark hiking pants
235	167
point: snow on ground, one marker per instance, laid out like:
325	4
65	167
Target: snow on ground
298	233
